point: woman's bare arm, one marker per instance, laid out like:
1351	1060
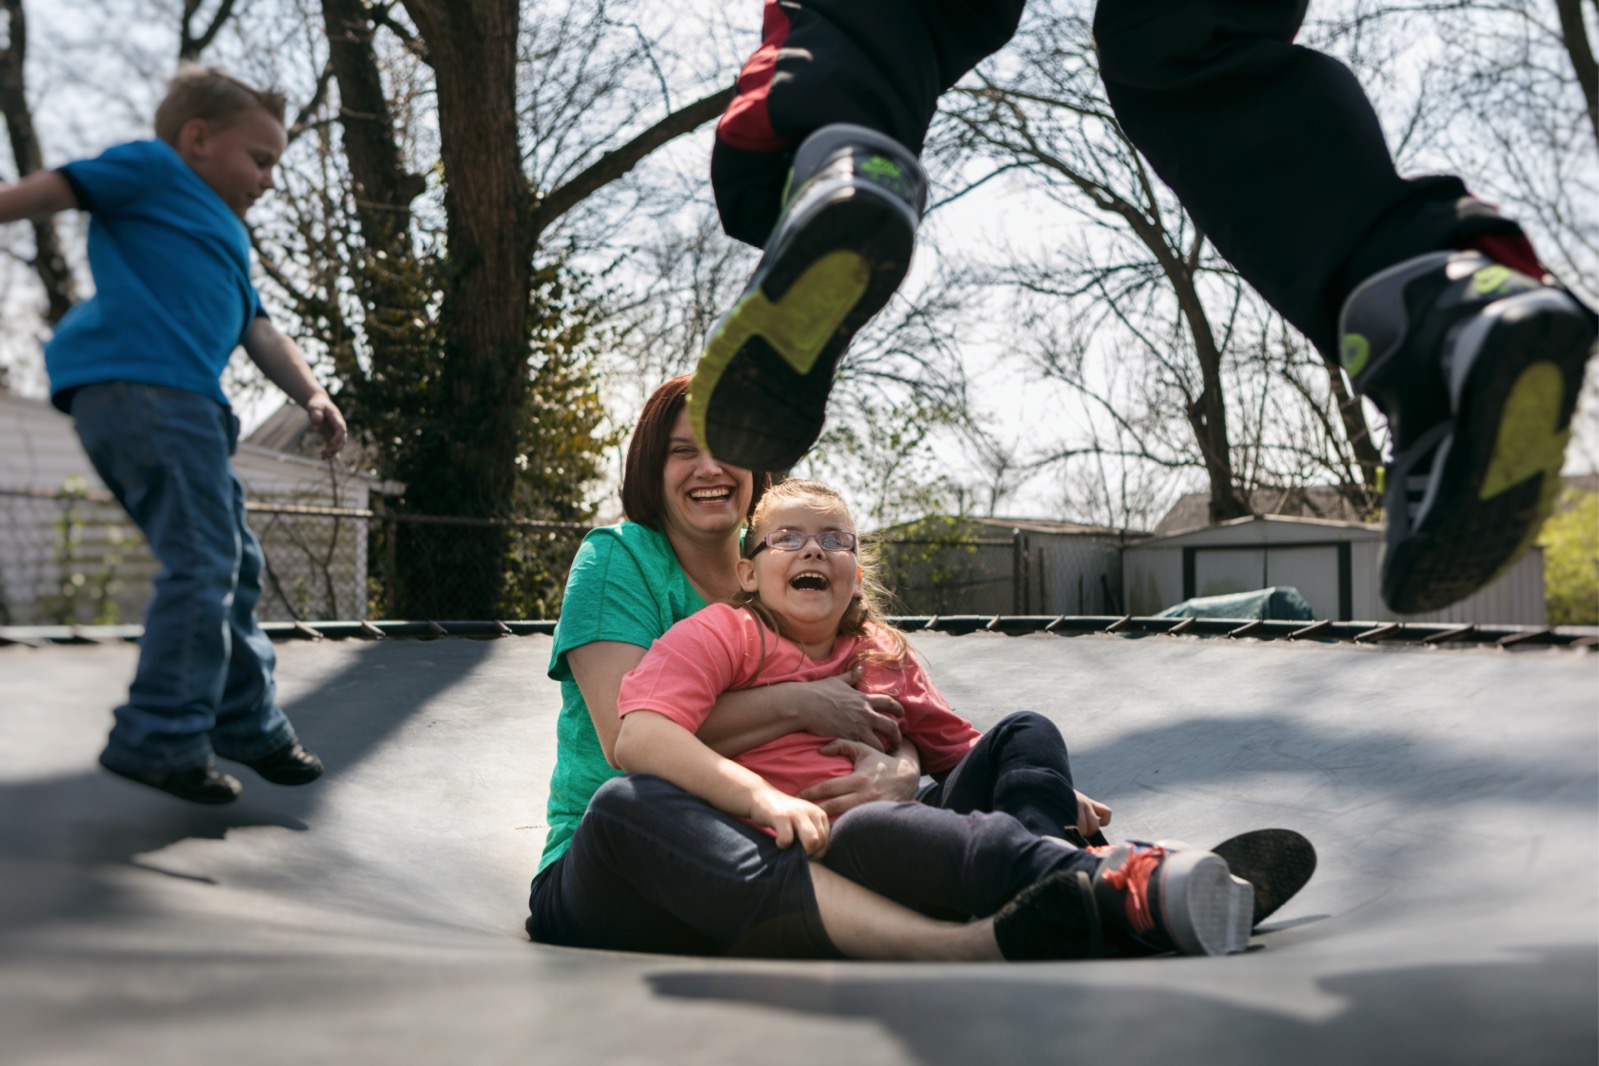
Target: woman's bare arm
831	707
746	719
598	669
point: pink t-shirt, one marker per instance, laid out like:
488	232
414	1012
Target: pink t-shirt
721	649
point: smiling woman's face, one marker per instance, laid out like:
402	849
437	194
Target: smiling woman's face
702	498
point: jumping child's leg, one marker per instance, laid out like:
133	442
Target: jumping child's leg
1436	305
816	161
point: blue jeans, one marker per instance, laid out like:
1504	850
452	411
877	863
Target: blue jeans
204	681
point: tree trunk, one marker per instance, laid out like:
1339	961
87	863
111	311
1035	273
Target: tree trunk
470	471
48	262
1574	35
1207	414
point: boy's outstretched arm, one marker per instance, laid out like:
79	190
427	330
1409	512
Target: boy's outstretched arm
281	360
39	195
652	743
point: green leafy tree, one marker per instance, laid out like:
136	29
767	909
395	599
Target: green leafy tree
1570	541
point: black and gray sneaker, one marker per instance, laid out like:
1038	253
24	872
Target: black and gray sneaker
1277	863
838	252
1478	368
197	784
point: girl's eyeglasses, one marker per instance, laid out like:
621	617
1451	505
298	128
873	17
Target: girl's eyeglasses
792	540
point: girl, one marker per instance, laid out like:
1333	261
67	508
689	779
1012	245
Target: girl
804	612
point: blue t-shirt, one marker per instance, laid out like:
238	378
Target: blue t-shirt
171	264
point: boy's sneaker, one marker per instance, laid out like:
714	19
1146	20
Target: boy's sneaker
1478	368
838	252
197	784
289	765
1171	897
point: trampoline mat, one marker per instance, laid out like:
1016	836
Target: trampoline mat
376	916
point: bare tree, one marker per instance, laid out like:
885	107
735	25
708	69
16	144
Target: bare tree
48	261
1135	311
1049	119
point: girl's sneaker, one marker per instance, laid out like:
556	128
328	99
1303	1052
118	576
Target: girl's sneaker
1171	897
840	249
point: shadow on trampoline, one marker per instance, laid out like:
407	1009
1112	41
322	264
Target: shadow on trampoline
1517	1010
69	831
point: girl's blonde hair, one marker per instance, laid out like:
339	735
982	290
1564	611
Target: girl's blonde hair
866	607
210	93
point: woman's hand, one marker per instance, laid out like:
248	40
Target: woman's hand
877	776
1091	815
834	707
792	818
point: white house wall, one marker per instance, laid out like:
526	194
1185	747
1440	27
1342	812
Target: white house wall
83	560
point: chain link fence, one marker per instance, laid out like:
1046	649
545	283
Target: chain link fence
73	558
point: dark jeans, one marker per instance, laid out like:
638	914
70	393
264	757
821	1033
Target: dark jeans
204	680
1272	148
652	868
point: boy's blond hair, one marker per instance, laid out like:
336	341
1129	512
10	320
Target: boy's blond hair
211	94
865	610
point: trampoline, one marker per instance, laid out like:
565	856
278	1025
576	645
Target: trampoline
376	916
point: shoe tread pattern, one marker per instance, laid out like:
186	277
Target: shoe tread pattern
1501	481
766	374
1277	862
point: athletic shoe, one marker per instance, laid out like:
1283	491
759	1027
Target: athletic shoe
1055	918
838	252
197	784
289	765
1478	368
1171	897
1277	863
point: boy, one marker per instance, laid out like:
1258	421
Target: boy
138	366
1437	307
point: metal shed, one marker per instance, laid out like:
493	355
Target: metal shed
1336	566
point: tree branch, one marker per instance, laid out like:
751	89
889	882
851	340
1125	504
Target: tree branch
189	46
619	161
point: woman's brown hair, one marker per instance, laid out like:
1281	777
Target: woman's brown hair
643	498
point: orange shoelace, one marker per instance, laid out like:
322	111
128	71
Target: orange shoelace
1132	879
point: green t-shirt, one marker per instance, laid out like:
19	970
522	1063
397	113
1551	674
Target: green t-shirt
626	586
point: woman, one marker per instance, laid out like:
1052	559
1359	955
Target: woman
633	863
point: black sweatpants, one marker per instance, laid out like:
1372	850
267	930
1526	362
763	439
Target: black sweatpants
1273	149
998	823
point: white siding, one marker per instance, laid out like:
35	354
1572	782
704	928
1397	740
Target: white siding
83	560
